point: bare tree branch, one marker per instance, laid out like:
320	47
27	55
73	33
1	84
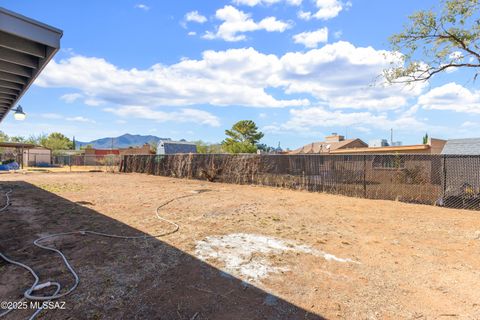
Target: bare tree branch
430	41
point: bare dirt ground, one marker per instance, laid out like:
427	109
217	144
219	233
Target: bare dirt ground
99	168
242	252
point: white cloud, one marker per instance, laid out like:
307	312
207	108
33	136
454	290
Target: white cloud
232	77
252	3
51	116
326	9
456	55
93	102
311	39
142	7
304	15
469	124
338	34
453	97
338	75
68	51
71	97
304	120
57	116
194	16
182	116
192	33
451	69
343	76
237	22
79	119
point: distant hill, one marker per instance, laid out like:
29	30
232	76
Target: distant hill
123	141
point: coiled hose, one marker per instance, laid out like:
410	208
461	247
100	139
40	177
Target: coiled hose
29	294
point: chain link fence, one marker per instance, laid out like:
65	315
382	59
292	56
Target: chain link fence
52	162
10	156
102	162
443	180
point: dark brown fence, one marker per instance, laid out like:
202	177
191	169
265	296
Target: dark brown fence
443	180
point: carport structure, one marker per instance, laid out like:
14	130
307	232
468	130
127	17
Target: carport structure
22	153
26	47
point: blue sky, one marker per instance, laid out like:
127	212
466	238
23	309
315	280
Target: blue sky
190	69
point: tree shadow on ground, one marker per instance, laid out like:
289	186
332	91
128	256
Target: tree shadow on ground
119	279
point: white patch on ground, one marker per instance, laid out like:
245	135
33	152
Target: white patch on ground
245	255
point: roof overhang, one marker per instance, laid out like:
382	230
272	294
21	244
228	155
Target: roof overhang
17	145
26	47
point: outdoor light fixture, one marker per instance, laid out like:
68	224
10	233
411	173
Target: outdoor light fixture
19	114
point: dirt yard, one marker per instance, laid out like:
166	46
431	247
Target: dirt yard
242	252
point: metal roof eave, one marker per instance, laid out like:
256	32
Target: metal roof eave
26	28
26	47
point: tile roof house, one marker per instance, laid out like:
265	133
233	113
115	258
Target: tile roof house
331	143
470	146
434	146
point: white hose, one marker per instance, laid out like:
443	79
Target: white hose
7	200
29	293
35	286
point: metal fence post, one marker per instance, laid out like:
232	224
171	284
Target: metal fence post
444	176
407	178
123	163
364	176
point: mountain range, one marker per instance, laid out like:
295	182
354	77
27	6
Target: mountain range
123	141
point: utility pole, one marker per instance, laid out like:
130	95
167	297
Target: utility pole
391	137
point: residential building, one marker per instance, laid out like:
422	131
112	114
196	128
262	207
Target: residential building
332	143
381	163
461	164
145	149
470	146
25	154
101	152
173	147
37	156
434	146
